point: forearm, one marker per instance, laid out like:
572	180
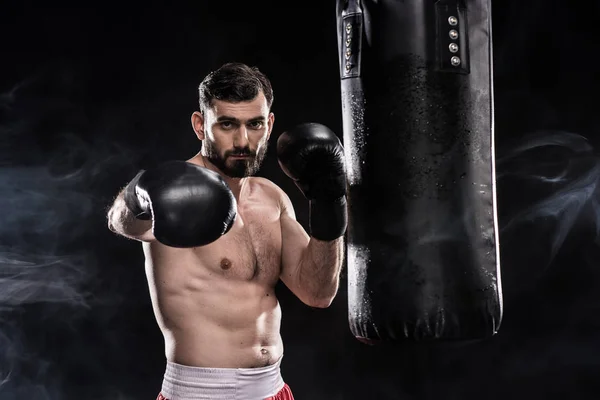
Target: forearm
319	270
122	221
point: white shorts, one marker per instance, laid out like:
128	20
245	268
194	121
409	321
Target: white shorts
182	382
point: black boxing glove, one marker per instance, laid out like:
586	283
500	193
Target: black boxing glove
189	205
313	156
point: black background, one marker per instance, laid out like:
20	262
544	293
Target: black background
91	93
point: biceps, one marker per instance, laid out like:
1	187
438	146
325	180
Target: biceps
294	240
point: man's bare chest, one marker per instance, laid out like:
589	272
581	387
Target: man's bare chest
251	250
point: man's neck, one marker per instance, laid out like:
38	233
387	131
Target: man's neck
235	184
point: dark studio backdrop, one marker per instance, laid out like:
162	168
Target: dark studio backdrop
91	93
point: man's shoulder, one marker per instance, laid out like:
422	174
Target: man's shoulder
271	189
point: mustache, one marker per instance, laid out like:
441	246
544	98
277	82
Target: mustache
240	152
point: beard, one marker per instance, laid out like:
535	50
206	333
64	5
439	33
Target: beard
232	167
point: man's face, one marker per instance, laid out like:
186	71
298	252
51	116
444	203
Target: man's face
235	135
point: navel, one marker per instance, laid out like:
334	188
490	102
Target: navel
225	264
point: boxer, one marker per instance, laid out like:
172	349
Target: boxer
217	239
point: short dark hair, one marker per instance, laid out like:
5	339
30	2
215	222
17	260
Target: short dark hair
234	82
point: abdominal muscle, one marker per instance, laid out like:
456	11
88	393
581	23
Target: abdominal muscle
209	319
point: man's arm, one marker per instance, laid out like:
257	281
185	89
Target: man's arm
122	221
310	267
313	157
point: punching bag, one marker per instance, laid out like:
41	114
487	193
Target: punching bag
418	129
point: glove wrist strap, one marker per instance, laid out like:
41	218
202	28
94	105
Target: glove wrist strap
328	219
131	199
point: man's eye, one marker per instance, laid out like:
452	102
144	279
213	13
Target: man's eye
226	125
256	124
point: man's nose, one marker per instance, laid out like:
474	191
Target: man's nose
241	137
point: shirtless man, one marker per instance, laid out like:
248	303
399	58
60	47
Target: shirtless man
217	240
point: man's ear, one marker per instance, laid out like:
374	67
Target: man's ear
198	124
270	121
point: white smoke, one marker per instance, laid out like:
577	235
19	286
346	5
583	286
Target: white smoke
52	206
564	169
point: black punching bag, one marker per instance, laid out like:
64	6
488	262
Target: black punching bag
418	123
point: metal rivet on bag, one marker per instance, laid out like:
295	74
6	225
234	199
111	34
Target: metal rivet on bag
455	61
